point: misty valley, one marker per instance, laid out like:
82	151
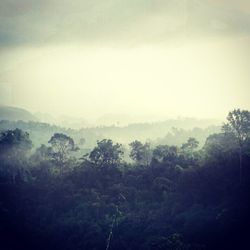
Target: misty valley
168	185
124	125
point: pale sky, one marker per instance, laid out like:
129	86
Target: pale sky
142	57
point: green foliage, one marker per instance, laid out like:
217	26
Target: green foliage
61	147
14	146
106	153
238	123
165	153
141	153
190	145
185	198
14	140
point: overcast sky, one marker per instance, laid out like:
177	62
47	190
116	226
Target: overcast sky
146	57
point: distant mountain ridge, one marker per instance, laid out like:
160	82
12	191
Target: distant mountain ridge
170	131
15	114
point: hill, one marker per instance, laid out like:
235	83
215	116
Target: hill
15	114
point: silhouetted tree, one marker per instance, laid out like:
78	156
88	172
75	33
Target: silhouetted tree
141	153
190	145
238	123
41	160
14	145
165	153
106	153
62	145
177	203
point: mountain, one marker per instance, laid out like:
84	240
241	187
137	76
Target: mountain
63	120
15	114
125	120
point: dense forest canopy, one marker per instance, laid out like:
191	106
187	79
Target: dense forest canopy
145	195
124	125
167	132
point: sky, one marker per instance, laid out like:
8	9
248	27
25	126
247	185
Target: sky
88	58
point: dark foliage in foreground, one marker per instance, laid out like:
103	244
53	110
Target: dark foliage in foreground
183	199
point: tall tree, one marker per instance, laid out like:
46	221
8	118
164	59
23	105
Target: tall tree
165	153
106	153
141	153
14	145
238	123
62	145
190	145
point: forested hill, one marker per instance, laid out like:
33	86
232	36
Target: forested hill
15	114
173	132
166	198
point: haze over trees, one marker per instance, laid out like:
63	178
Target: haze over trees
176	197
14	146
141	153
117	125
106	154
61	147
238	123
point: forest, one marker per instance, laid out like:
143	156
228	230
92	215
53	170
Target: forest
162	194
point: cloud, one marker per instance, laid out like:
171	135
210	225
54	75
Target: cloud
36	22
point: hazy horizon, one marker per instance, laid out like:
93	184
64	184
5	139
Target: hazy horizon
12	113
180	58
124	124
